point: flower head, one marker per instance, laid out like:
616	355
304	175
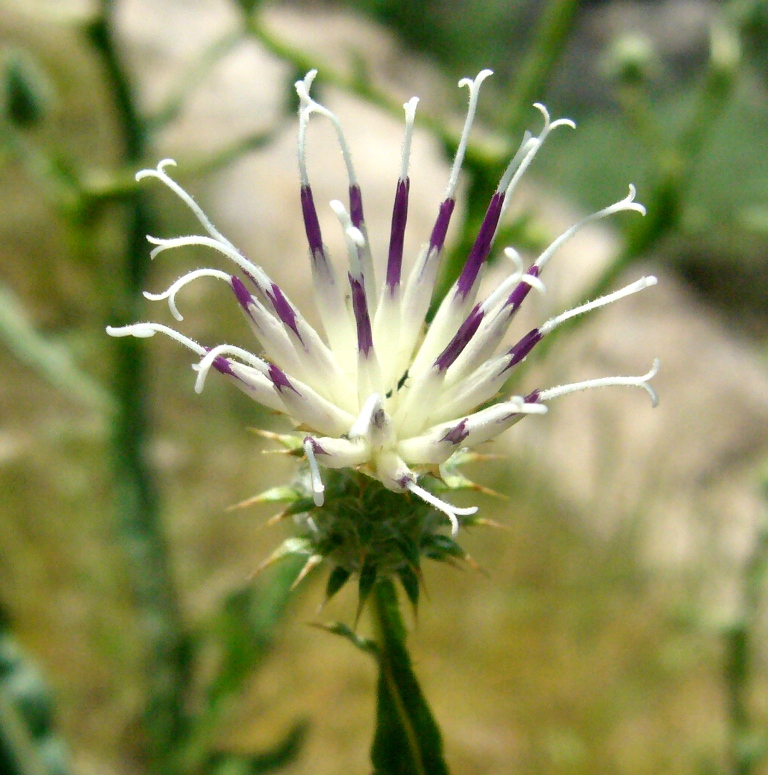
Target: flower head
380	394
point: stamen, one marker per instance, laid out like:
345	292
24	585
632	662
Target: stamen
450	511
474	93
363	422
528	150
628	203
318	488
410	116
207	362
308	106
161	175
302	87
256	273
146	330
641	382
518	276
353	237
639	285
170	294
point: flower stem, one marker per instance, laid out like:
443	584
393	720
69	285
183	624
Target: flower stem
137	499
407	739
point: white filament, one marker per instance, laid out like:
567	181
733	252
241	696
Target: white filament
170	294
161	175
318	488
628	203
448	509
308	106
639	285
474	92
353	237
363	422
258	274
641	382
410	116
145	330
518	276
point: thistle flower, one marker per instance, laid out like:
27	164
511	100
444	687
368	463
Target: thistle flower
386	405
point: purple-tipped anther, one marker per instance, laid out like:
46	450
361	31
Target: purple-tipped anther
279	379
532	398
243	295
397	234
482	246
363	320
457	434
440	229
522	348
223	366
460	340
311	223
356	206
317	448
284	309
517	297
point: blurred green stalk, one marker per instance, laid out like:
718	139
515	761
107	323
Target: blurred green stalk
149	558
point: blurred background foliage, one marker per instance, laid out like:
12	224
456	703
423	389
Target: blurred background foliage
123	578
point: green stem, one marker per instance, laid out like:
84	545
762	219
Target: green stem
137	496
746	749
407	739
551	35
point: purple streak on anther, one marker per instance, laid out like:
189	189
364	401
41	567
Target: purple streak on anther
311	223
482	246
460	340
532	398
317	448
397	234
363	320
522	348
404	480
279	379
242	293
457	434
284	309
440	229
518	295
223	366
356	205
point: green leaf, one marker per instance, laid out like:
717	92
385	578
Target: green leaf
407	739
29	744
246	627
342	630
336	580
26	89
438	547
365	585
410	581
51	360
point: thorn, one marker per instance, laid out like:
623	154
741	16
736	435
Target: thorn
313	561
485	522
473	564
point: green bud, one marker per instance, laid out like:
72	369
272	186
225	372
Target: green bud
631	59
366	531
